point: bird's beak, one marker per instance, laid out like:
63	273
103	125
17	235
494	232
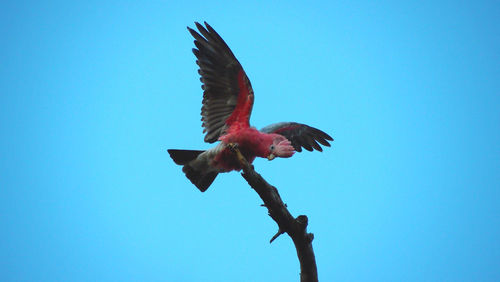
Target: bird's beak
271	157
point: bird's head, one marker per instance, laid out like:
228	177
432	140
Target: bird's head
280	147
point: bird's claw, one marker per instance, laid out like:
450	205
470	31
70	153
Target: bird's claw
232	146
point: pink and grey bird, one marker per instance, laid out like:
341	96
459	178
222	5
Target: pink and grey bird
227	105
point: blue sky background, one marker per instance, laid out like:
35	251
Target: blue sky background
93	93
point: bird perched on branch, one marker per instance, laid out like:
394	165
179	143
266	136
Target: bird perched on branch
227	105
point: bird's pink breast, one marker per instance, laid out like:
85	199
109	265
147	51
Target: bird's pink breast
251	144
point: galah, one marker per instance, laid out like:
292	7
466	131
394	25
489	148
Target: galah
227	105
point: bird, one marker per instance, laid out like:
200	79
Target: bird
227	104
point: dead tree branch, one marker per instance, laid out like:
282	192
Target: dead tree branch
294	227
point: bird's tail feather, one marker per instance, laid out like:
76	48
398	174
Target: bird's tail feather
197	170
182	157
202	179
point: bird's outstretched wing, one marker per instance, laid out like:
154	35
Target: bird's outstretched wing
300	135
228	95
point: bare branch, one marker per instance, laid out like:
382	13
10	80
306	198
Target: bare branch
296	228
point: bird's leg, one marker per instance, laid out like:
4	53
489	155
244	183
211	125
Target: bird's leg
241	159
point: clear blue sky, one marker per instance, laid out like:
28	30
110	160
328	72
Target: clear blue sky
92	94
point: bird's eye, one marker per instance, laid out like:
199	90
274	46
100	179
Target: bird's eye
272	147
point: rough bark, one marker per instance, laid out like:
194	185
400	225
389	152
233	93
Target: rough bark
296	228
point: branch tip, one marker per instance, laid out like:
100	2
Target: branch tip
276	235
302	220
310	237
